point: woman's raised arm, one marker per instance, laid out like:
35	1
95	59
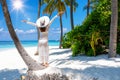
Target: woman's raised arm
31	23
53	19
59	14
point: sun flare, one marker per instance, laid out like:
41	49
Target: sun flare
17	5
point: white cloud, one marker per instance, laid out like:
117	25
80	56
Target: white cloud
25	32
19	31
65	29
31	31
57	30
53	29
1	29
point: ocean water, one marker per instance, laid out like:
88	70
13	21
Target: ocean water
10	44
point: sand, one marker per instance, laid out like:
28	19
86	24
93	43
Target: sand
80	68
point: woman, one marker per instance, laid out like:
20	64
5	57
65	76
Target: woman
43	23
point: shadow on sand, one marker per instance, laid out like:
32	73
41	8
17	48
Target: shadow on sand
94	73
10	74
79	58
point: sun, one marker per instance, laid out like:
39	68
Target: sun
17	5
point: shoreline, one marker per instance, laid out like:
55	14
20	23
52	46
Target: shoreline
10	44
8	48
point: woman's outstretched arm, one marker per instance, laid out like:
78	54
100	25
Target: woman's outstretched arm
31	23
59	14
53	19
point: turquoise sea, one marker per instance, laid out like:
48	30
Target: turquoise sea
10	44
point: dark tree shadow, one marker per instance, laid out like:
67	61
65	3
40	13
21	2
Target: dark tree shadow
94	73
10	74
60	52
82	58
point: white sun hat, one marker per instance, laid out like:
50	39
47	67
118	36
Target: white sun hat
43	21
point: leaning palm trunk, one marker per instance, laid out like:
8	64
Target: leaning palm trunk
32	64
56	74
34	68
113	29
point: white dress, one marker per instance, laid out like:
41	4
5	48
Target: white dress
43	47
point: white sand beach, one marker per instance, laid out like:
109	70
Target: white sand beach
80	67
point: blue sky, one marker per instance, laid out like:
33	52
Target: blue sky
29	12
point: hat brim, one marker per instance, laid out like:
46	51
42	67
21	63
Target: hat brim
47	20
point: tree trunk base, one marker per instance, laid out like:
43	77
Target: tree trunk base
49	73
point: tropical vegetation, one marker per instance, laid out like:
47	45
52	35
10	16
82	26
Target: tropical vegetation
92	37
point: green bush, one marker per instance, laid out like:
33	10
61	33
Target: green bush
90	37
75	48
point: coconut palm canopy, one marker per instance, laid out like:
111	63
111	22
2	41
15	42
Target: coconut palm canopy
28	9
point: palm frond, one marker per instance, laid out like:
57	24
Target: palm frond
94	41
48	7
46	1
67	2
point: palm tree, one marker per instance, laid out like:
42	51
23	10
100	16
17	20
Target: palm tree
61	35
34	68
71	14
73	4
39	7
88	7
40	3
38	32
32	64
58	5
113	29
91	4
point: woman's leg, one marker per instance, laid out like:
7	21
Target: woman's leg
41	55
44	52
37	52
47	55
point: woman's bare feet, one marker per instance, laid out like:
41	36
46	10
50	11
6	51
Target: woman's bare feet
36	53
45	64
42	64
